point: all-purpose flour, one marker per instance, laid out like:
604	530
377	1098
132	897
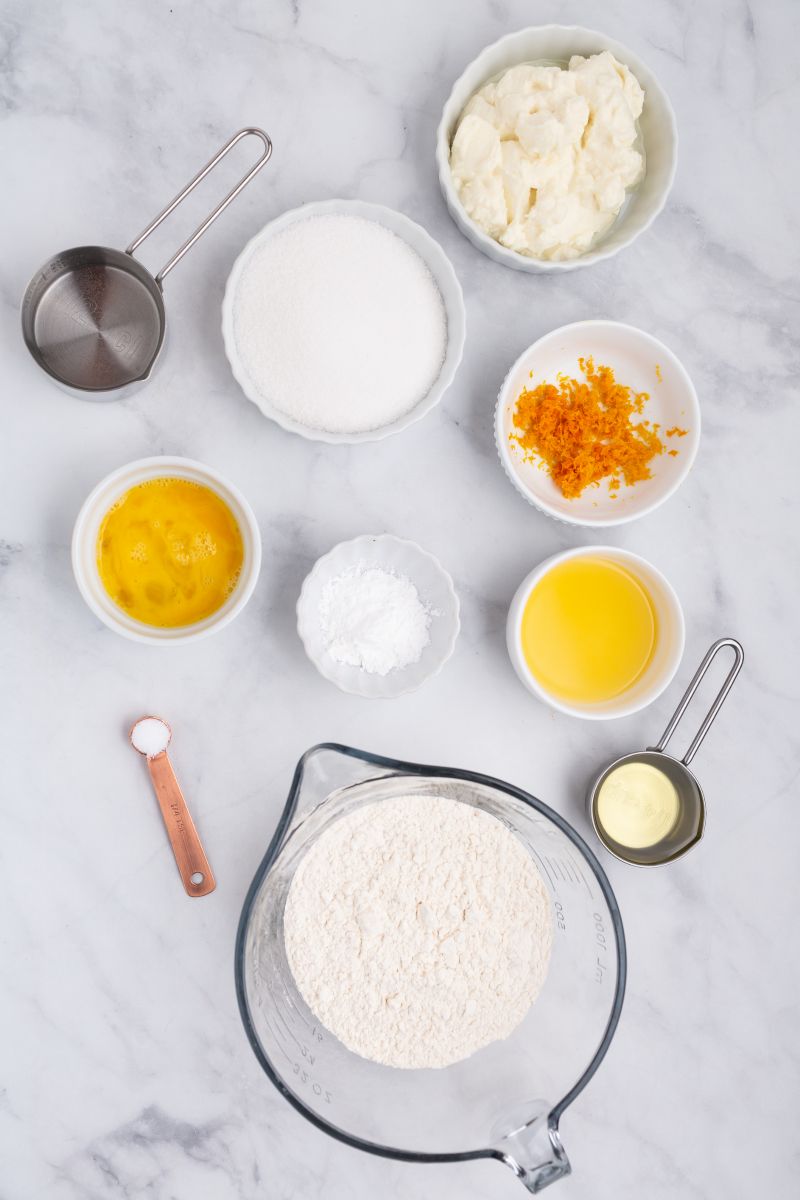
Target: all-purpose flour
418	930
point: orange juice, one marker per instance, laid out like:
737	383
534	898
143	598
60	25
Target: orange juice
588	630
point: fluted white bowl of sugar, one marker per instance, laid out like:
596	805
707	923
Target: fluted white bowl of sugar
343	321
554	45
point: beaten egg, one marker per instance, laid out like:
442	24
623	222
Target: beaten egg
169	552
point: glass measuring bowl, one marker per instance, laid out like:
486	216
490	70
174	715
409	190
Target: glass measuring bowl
504	1102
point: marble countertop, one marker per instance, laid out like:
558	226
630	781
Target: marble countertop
125	1069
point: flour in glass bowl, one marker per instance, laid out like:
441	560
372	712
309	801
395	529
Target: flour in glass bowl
339	324
418	930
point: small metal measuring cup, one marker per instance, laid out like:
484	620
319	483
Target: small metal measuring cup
690	823
94	319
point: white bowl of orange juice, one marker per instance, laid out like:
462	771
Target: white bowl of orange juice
166	550
595	632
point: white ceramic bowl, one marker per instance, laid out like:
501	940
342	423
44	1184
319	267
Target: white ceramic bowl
669	642
437	263
435	588
87	527
634	356
657	124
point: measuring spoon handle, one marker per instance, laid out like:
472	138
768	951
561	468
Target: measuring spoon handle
184	838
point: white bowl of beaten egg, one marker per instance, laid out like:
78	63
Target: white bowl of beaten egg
595	632
540	151
166	550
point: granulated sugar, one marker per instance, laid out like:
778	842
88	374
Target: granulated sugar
339	324
418	930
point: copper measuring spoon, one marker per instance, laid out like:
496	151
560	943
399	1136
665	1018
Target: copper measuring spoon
150	737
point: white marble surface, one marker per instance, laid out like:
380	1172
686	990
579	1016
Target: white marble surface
125	1071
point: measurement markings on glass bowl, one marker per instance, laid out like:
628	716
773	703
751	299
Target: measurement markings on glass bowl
601	966
285	1033
302	1068
304	1075
544	862
580	877
556	866
560	918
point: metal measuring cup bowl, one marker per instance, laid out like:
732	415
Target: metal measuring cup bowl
94	318
689	823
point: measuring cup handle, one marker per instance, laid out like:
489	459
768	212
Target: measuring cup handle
708	720
232	194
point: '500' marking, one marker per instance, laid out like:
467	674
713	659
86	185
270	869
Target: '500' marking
316	1088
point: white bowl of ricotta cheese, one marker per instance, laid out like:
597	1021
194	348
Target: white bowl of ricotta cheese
513	187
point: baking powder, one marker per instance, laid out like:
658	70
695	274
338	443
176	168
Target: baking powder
373	619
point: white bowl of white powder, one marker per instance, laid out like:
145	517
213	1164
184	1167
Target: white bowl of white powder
378	616
343	321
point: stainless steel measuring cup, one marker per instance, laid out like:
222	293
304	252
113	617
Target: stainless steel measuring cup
690	822
94	318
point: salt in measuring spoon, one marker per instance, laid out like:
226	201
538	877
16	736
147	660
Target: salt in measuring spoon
688	826
150	736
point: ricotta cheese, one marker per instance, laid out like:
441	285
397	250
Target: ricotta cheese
542	156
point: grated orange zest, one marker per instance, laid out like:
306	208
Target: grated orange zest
582	430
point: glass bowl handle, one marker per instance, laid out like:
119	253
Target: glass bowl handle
535	1153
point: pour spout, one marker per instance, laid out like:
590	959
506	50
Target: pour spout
326	768
535	1153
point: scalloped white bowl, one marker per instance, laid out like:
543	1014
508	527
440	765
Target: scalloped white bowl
437	263
633	354
657	124
435	588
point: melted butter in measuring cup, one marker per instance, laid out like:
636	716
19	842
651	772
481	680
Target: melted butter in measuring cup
648	808
637	805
